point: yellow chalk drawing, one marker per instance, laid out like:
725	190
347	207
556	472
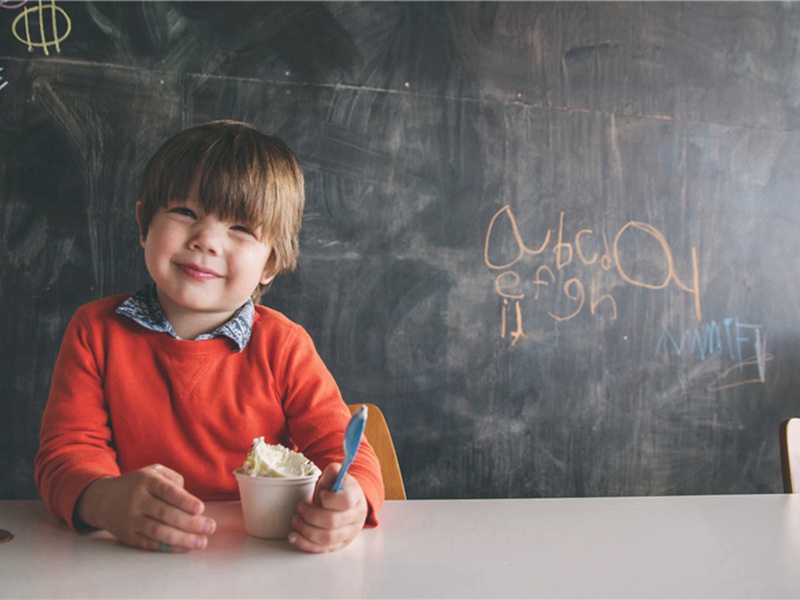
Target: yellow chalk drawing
58	20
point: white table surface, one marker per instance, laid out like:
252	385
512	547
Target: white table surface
649	547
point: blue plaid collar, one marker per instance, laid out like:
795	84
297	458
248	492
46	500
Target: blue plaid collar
144	308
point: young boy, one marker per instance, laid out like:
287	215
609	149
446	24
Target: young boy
157	396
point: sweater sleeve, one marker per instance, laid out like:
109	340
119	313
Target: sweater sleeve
75	441
317	417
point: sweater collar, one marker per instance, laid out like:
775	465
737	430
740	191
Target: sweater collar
144	308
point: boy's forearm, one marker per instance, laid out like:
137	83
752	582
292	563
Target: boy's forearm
88	507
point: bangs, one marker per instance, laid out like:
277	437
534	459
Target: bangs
234	177
235	192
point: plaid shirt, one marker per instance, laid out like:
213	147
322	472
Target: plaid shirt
144	308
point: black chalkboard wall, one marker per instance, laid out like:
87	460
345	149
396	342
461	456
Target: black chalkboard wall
557	243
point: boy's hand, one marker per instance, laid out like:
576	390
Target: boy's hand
334	519
147	508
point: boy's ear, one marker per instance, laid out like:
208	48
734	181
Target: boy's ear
139	221
268	274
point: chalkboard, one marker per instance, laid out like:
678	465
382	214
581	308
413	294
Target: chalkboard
557	243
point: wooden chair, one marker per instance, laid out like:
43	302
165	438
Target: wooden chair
790	454
377	433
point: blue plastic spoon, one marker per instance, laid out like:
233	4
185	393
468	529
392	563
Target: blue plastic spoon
352	440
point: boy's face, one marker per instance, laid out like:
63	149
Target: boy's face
204	268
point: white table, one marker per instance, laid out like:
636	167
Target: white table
665	547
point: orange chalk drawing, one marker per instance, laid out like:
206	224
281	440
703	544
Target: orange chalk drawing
505	248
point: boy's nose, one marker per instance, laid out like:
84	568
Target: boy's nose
207	237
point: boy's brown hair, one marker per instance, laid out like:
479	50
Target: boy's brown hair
242	175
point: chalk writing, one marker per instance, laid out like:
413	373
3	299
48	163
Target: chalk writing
2	83
731	338
56	22
705	340
735	376
12	4
719	382
595	254
761	356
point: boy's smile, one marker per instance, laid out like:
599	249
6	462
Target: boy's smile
198	272
204	268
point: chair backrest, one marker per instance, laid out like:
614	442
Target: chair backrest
790	454
377	433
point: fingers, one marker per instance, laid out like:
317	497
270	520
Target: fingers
170	474
168	524
326	480
150	509
323	530
321	541
335	518
163	537
328	476
172	517
170	489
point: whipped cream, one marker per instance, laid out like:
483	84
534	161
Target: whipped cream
275	460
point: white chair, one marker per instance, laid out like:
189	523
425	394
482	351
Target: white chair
790	454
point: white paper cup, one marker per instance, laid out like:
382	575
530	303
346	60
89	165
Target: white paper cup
269	503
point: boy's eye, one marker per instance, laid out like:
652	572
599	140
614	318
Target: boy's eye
182	210
243	229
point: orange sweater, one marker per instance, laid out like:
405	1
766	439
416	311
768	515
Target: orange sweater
123	397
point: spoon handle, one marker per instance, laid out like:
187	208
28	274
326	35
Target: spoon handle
351	443
337	484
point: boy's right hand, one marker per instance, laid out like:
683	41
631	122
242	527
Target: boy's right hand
148	508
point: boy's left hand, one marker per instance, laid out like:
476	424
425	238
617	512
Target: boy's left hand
334	519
